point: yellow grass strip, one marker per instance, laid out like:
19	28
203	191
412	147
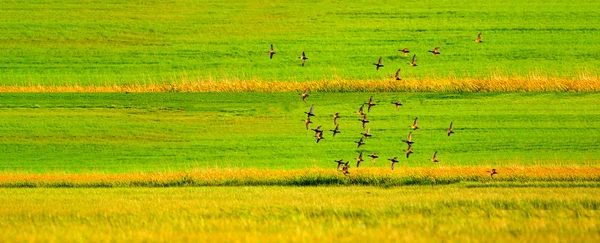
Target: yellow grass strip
583	83
364	176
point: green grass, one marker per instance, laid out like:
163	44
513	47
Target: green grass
141	132
114	42
323	214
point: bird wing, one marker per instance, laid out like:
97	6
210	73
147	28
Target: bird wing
409	137
271	47
416	121
414	59
371	99
379	62
435	155
303	55
311	109
451	125
398	73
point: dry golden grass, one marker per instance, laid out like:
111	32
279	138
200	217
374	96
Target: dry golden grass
496	83
366	176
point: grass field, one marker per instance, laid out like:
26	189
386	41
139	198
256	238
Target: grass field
442	213
68	43
150	132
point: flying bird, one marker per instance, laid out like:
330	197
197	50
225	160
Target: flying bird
405	51
335	118
317	130
336	130
450	130
340	163
413	63
345	168
408	139
435	51
415	126
398	104
378	64
434	159
397	76
373	157
319	136
360	142
360	110
306	122
492	173
271	52
367	133
304	95
364	120
359	159
303	57
310	112
370	104
408	151
478	40
394	161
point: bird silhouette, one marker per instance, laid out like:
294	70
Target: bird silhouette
271	52
492	173
415	126
304	95
435	51
303	58
340	163
310	112
360	142
408	151
367	133
413	63
394	161
434	159
360	110
359	159
397	103
336	130
317	130
319	136
478	40
450	130
408	139
335	118
378	64
306	122
405	51
373	157
397	76
370	104
364	120
346	167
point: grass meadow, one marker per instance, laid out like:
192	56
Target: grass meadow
349	214
68	43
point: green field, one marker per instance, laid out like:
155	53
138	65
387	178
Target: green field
149	132
114	42
301	214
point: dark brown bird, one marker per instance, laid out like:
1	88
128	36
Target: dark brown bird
364	120
378	64
408	151
319	136
360	142
450	130
408	139
492	173
306	122
359	159
397	103
310	112
405	51
367	133
340	163
303	57
478	40
413	63
394	161
373	157
435	51
335	118
317	130
360	110
304	95
415	126
397	76
336	130
346	167
271	52
434	159
370	104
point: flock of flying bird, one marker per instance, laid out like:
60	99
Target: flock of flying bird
345	165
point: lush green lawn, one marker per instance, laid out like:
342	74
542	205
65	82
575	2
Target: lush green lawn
114	42
442	213
137	132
